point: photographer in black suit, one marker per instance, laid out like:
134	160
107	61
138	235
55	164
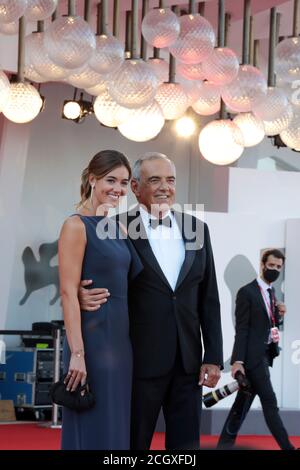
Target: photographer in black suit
173	308
258	316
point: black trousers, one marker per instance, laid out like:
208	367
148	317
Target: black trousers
259	378
180	397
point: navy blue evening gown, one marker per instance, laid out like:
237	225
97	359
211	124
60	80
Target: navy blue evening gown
110	263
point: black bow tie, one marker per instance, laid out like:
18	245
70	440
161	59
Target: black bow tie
166	221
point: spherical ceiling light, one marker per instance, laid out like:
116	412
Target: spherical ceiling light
196	40
245	90
107	111
271	106
70	42
209	100
143	124
32	75
38	10
192	89
97	89
221	142
11	10
160	27
190	71
287	59
291	135
108	55
291	91
9	28
252	128
134	84
84	77
276	126
172	99
160	67
4	89
293	94
23	104
185	127
38	56
221	67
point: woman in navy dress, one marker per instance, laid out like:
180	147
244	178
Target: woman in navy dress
97	346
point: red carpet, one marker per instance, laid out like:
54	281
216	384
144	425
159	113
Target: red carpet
34	437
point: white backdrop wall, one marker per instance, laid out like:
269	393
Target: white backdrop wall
291	363
237	241
275	195
259	206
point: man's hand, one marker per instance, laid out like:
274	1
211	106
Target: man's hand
235	367
281	308
209	375
91	299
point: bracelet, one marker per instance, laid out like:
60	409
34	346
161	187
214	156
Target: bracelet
78	353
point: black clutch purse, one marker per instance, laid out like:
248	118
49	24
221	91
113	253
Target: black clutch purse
76	400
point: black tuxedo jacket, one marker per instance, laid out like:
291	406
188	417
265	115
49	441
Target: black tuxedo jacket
161	318
252	327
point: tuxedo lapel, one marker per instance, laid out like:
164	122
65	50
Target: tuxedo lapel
189	254
260	299
185	268
142	245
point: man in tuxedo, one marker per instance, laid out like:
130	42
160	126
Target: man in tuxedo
258	316
173	307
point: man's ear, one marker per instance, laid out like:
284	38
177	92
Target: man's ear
135	186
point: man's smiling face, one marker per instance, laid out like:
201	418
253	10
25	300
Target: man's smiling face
156	188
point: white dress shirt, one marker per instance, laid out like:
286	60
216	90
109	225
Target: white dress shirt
167	246
266	298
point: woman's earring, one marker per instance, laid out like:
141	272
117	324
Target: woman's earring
92	191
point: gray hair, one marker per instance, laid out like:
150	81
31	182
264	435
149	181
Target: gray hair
148	156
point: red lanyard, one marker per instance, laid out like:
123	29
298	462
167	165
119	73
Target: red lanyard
270	307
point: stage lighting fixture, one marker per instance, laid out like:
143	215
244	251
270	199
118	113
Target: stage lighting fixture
76	110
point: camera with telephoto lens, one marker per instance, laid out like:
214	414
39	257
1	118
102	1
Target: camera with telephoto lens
241	383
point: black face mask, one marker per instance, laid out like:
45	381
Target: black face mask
271	275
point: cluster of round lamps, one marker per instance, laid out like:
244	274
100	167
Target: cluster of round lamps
137	97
